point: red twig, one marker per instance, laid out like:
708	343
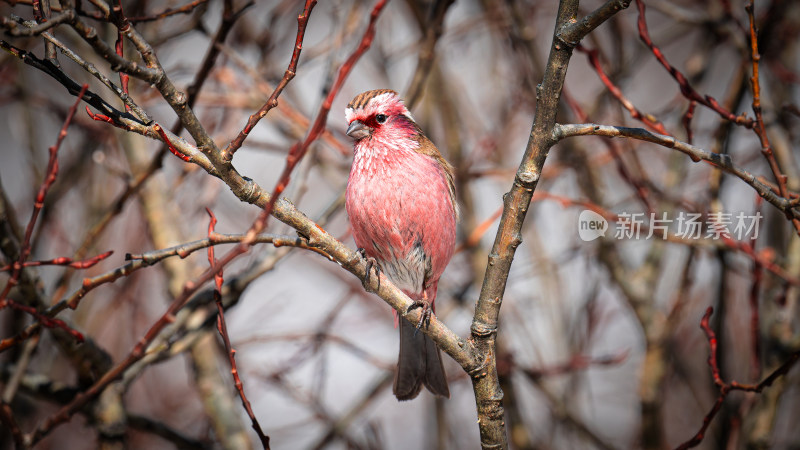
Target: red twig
299	150
7	419
759	128
302	23
44	320
99	117
138	351
650	121
223	331
190	287
687	121
185	9
712	345
762	258
50	177
575	107
686	89
701	433
105	118
755	362
724	387
171	147
7	343
122	26
636	183
62	261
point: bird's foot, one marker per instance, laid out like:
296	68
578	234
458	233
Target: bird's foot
371	264
427	312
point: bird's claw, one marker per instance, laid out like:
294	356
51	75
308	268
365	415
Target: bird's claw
425	318
371	264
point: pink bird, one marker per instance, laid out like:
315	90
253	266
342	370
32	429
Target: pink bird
401	202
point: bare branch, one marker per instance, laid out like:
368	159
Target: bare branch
722	161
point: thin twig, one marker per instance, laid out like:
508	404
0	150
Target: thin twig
759	128
223	332
686	88
63	261
291	70
25	249
649	120
726	387
185	9
299	150
432	31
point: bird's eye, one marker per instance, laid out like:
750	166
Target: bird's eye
381	118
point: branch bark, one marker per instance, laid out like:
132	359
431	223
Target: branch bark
488	395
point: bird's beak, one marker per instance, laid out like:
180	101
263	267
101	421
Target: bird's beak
357	130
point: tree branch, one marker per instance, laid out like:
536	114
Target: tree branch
721	161
488	394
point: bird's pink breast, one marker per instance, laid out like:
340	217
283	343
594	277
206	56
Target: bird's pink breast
401	214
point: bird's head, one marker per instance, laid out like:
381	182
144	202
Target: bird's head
379	114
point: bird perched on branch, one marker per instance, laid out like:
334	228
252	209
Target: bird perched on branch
402	208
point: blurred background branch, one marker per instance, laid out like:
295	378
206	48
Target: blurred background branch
597	343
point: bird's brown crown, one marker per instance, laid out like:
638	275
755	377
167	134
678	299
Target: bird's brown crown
363	98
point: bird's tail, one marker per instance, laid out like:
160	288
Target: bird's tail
419	363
